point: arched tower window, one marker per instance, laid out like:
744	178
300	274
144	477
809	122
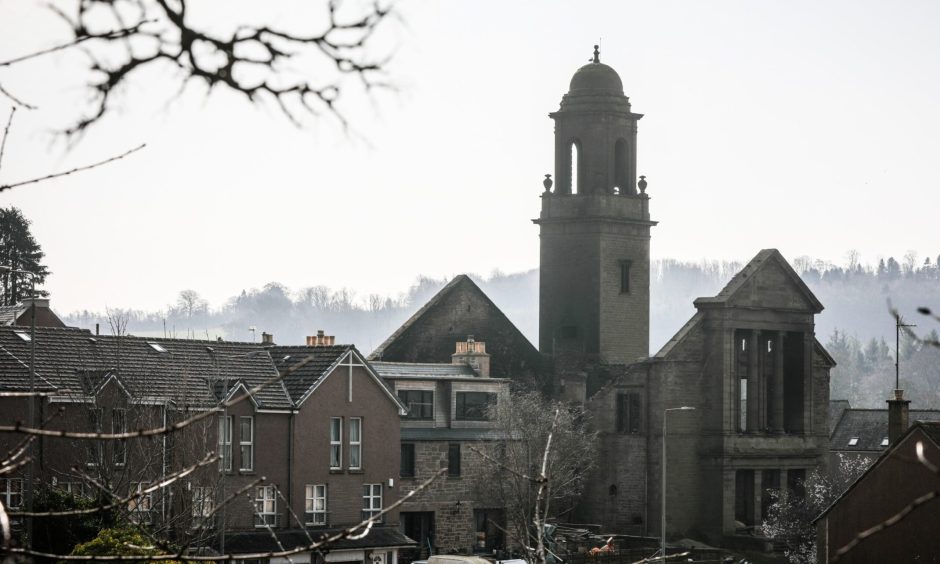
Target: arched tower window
620	168
577	169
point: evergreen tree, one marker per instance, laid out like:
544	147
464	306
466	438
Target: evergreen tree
18	251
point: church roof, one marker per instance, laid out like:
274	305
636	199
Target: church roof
762	260
460	309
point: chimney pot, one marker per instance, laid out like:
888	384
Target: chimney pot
267	338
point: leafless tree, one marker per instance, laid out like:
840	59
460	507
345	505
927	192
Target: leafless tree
121	38
538	471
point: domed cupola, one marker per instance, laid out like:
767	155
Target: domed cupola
596	76
595	86
595	134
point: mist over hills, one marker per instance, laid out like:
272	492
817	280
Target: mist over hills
857	325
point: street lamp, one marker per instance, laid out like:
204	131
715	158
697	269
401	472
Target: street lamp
663	493
32	392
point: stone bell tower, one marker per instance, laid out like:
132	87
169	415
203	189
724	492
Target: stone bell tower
595	227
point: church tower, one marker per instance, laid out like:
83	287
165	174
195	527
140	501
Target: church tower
595	227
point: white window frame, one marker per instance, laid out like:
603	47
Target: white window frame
371	501
139	508
266	506
336	443
203	504
225	443
355	446
315	506
12	489
246	448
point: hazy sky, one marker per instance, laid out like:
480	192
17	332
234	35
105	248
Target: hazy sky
807	126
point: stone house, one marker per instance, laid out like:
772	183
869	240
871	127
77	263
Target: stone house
447	425
314	449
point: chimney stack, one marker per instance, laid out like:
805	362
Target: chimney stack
267	338
473	354
897	416
320	340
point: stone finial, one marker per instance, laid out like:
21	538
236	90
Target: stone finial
597	54
547	183
642	184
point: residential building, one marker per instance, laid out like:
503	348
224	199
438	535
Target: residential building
448	425
313	446
899	490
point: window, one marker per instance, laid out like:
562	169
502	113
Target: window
355	443
853	441
76	489
203	505
96	447
157	347
247	443
884	442
475	406
407	460
625	276
453	459
119	425
371	500
225	443
140	504
11	492
569	332
336	443
420	403
628	413
265	506
316	504
23	335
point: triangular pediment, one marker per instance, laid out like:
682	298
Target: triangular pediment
766	282
460	309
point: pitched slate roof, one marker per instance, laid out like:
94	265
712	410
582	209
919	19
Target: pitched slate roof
836	408
310	374
870	427
422	370
763	258
929	428
183	371
431	333
262	541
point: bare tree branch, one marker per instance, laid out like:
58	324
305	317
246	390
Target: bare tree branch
72	171
15	99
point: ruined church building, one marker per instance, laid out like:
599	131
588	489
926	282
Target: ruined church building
747	361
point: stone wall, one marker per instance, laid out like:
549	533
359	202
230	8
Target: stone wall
452	499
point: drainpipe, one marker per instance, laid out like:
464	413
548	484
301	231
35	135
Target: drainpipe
290	460
646	475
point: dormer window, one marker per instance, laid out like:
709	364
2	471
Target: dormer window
853	441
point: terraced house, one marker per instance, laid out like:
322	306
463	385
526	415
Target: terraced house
314	450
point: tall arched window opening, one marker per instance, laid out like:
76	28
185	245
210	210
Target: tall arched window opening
575	167
620	168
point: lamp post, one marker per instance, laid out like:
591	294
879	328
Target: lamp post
28	483
663	516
